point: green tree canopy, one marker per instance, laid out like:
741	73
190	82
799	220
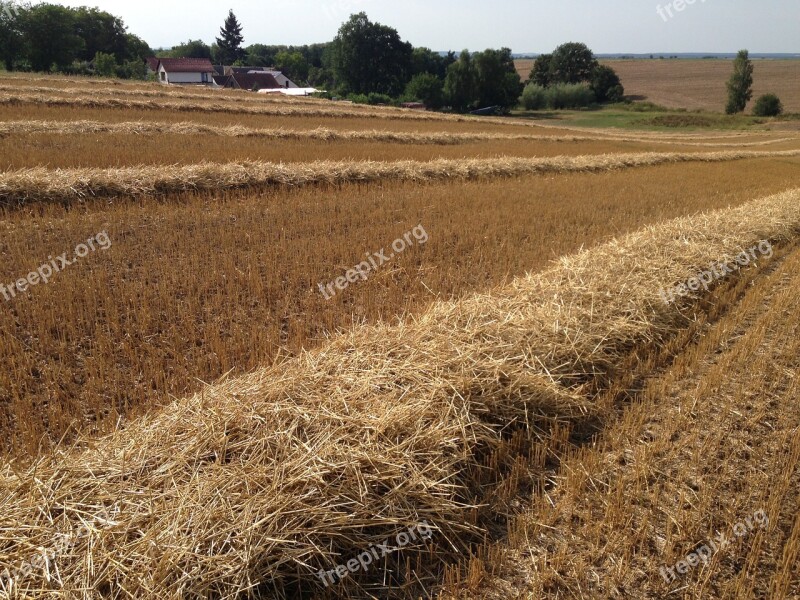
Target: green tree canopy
191	49
137	48
100	32
540	74
496	78
12	40
292	64
426	88
370	58
50	31
229	44
740	85
606	85
460	88
572	63
425	60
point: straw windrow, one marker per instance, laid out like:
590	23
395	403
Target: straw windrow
17	128
69	185
259	482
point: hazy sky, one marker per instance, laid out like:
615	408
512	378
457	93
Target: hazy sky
607	26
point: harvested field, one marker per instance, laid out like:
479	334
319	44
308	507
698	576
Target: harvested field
698	84
402	418
205	398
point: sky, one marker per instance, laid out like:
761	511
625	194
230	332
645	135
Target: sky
606	26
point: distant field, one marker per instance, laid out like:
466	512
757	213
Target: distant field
698	84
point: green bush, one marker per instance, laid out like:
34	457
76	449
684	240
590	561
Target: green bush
374	98
426	88
768	105
105	65
358	98
569	95
534	97
558	96
606	85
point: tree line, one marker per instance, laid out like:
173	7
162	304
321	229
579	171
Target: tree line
366	62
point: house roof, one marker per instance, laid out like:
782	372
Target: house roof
152	62
248	81
263	81
187	65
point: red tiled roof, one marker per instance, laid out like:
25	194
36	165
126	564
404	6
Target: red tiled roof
187	65
152	62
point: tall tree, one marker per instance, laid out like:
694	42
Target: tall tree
50	30
370	58
497	80
100	32
229	44
459	86
12	41
740	85
572	63
540	74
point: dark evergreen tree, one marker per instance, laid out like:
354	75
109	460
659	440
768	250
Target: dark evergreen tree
229	44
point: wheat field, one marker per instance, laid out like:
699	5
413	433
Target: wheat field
210	392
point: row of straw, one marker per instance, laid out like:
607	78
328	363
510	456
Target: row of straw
28	127
67	185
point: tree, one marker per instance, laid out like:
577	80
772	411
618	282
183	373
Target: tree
768	105
740	85
572	63
100	32
105	65
540	74
606	85
426	88
230	41
460	88
496	79
12	41
370	58
425	60
50	31
191	49
137	48
292	64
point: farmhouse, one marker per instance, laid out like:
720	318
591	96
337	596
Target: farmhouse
185	71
